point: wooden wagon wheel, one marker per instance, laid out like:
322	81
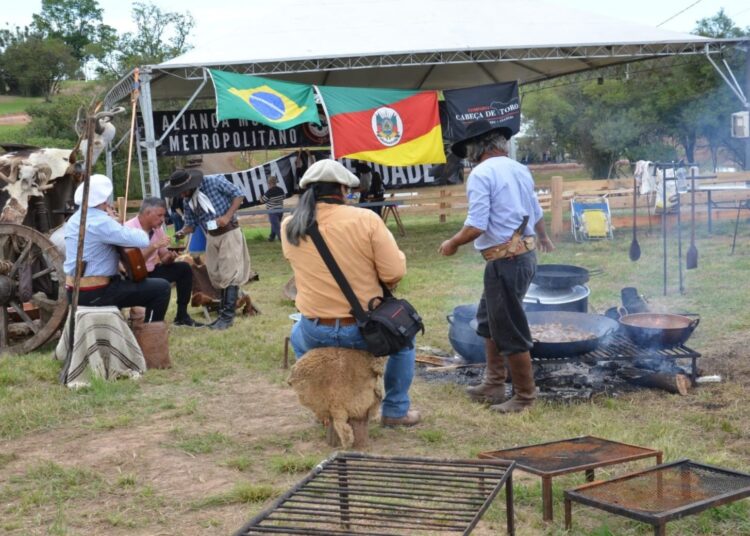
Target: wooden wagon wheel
33	303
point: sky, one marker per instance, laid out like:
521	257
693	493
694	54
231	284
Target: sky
211	17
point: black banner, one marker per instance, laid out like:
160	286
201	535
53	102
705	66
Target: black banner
254	181
198	132
497	103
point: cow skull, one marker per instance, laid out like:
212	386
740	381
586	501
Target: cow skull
104	132
28	173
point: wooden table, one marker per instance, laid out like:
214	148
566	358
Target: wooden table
574	455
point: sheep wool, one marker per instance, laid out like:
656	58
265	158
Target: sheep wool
338	384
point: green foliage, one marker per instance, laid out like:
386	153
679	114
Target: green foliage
56	119
161	35
643	112
34	67
77	23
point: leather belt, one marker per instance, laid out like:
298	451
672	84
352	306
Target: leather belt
516	246
349	321
231	226
91	282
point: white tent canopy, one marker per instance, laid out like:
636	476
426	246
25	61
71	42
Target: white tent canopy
430	44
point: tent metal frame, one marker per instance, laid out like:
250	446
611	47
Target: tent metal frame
522	57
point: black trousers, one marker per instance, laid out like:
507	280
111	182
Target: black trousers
181	275
500	315
151	293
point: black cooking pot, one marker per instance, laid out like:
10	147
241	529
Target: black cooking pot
558	276
462	333
601	327
658	330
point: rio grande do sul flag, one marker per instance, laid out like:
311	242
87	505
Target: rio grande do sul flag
274	103
392	127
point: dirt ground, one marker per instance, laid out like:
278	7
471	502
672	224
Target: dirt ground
248	411
15	119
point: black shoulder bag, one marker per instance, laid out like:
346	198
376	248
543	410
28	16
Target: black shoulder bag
389	324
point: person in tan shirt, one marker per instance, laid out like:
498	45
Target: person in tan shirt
367	254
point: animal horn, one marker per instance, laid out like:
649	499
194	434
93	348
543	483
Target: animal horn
108	114
78	125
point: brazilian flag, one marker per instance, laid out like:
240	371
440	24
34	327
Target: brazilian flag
274	103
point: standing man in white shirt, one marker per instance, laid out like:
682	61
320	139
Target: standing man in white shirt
506	224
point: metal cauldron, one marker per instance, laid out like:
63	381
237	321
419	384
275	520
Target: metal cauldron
658	330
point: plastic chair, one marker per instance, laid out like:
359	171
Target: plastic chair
590	218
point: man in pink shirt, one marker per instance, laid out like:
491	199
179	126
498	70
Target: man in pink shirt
160	261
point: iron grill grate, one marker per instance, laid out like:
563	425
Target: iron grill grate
669	488
352	493
576	454
619	347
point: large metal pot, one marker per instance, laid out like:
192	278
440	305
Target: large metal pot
658	330
601	327
462	333
568	299
559	276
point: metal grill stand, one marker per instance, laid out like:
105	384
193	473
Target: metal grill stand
358	494
662	493
570	456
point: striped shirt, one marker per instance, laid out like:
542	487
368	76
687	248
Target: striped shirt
273	198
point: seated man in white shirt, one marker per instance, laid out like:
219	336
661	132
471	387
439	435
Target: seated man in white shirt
160	261
101	283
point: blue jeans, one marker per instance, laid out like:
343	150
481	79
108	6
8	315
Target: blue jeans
399	371
275	221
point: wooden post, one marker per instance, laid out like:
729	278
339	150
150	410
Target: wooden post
360	427
442	206
557	206
121	208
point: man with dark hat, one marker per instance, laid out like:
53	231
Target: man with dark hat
211	202
506	224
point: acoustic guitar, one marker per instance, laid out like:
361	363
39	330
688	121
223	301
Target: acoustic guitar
134	264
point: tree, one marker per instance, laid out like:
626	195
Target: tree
36	66
161	35
638	114
78	23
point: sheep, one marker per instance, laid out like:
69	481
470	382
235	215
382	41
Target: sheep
338	384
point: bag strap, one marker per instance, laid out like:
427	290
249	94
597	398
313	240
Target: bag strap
336	272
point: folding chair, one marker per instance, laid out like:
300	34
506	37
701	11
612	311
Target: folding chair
590	218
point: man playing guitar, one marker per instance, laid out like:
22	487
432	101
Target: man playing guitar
160	261
101	283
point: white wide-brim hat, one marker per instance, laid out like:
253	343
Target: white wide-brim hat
328	171
100	188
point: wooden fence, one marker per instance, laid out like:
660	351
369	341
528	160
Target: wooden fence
443	201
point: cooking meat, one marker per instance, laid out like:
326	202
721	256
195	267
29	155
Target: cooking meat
556	332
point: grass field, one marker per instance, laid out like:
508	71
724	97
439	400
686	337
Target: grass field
202	447
15	105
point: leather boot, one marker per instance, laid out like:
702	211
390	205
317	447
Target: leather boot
524	389
228	304
492	388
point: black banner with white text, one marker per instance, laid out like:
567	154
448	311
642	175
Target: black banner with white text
497	103
254	181
198	132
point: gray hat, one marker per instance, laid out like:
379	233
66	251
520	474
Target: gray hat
475	131
328	171
181	180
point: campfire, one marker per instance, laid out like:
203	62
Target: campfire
577	355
